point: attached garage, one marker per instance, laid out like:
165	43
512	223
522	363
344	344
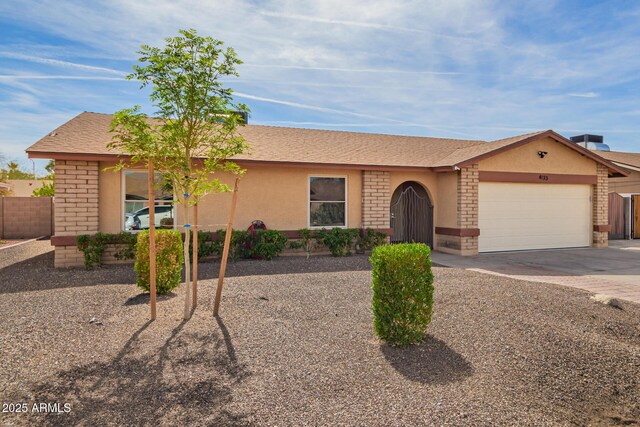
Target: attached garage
520	216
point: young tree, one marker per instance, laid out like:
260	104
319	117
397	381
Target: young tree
48	188
194	131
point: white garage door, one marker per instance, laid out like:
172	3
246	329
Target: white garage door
514	216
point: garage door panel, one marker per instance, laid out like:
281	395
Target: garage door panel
516	216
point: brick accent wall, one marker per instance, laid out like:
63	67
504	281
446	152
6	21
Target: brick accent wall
76	207
468	181
600	204
376	196
467	214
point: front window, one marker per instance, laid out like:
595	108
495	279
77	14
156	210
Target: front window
327	201
136	201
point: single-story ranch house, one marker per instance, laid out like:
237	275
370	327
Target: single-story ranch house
533	191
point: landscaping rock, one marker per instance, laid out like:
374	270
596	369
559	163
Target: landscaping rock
607	300
499	351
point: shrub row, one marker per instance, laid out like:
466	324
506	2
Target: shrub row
261	244
267	244
340	241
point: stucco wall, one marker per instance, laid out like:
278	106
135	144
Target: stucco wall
447	208
277	196
630	184
559	159
110	206
25	187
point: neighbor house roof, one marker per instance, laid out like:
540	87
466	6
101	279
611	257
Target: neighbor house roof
623	159
87	136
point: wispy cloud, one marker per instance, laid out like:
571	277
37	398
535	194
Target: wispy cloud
360	24
394	28
344	112
57	77
584	94
311	107
57	62
356	70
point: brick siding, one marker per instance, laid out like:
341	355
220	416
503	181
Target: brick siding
376	196
468	182
600	204
76	207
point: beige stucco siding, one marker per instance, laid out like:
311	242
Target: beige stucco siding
277	196
559	159
629	184
110	199
447	208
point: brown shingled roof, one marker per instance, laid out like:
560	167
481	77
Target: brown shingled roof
87	135
631	159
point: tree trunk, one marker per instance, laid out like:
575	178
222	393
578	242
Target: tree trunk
194	299
187	263
152	241
225	250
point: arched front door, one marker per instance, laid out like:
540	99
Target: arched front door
411	214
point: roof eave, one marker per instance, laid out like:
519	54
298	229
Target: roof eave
288	164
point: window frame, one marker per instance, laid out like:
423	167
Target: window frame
346	201
123	200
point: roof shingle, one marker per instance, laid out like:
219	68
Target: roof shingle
631	159
88	134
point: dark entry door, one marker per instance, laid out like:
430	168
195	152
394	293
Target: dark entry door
411	214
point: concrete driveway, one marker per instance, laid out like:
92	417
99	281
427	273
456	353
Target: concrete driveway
612	271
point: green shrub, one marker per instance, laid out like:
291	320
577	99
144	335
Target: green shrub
206	244
239	247
370	238
126	245
268	244
169	260
402	292
93	246
306	241
263	244
338	240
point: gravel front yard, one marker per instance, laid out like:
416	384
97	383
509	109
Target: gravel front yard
26	252
298	349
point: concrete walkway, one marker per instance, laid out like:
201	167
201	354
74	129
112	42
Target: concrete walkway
613	271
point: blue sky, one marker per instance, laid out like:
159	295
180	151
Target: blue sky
473	69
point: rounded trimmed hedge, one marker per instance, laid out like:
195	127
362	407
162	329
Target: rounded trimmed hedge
169	259
402	286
